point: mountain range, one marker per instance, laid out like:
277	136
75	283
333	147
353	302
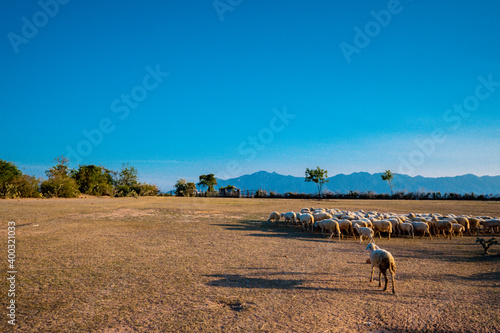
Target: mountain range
364	181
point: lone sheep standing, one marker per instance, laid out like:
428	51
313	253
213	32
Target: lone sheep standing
384	261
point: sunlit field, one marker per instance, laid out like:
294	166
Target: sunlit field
168	264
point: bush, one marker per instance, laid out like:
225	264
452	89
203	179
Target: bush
60	184
94	180
60	188
185	189
8	174
146	189
260	194
27	187
13	184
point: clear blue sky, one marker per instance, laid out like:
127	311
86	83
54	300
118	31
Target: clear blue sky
183	88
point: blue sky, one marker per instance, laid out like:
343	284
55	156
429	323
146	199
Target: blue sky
183	88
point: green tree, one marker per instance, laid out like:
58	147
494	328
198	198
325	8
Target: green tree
185	189
208	181
191	189
388	175
127	183
27	186
318	176
59	182
8	174
60	170
144	189
94	180
128	175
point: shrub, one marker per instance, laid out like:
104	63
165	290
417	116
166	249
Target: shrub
60	184
185	189
27	186
8	173
146	189
93	180
60	188
260	193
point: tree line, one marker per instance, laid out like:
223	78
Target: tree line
63	182
320	177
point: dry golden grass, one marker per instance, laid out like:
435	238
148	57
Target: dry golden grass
215	265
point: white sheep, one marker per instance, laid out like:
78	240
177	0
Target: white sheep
363	232
363	224
384	260
289	216
457	229
306	220
474	224
319	216
445	226
369	222
346	225
406	227
321	225
331	225
382	226
274	217
395	224
463	221
421	227
491	224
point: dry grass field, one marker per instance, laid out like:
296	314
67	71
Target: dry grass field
214	265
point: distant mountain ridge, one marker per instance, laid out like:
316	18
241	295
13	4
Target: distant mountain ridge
364	181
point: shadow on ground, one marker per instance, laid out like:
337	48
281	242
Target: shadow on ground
265	229
242	281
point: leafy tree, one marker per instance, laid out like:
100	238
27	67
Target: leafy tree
127	184
318	176
185	189
128	175
27	186
146	189
8	173
191	189
94	180
388	175
60	170
59	182
260	193
208	181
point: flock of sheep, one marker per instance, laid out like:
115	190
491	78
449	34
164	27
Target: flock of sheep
369	224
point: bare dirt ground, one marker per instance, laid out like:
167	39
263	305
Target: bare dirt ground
215	265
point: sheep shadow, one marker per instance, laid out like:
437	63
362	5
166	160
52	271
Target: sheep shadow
238	281
449	255
264	229
486	277
241	281
248	282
